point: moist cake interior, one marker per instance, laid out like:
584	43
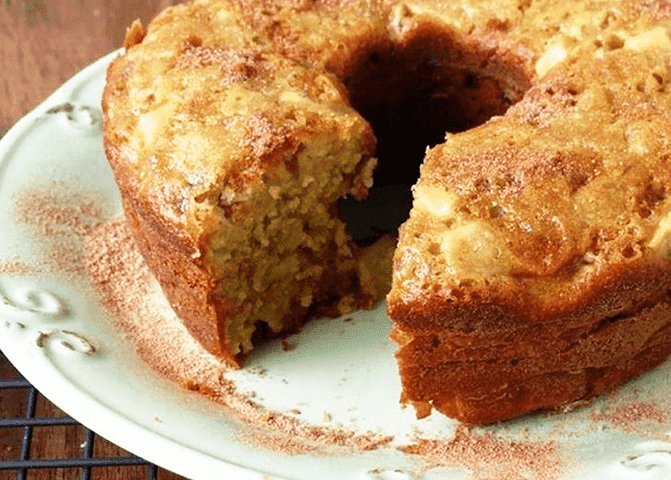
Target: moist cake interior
411	94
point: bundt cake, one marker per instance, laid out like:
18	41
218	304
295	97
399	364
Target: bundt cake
532	269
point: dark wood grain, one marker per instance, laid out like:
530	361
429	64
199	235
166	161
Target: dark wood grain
42	44
45	42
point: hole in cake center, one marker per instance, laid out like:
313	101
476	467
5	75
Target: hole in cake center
412	94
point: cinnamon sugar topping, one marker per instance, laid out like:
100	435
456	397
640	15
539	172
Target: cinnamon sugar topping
265	137
236	64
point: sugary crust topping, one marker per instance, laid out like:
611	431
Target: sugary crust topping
577	205
265	137
656	9
236	65
555	205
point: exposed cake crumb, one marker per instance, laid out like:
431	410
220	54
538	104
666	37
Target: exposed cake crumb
133	297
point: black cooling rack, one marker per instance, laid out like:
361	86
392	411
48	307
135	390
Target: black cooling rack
20	461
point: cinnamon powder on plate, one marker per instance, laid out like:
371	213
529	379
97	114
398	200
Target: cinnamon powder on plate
132	295
59	217
78	239
487	457
629	415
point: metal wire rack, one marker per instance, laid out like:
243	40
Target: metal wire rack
20	459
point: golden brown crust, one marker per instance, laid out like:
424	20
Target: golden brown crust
550	219
134	34
191	291
484	379
176	262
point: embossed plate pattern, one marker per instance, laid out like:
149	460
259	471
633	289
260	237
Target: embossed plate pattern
54	329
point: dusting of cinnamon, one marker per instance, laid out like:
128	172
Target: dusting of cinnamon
505	459
627	416
131	294
58	217
15	267
265	137
277	443
238	64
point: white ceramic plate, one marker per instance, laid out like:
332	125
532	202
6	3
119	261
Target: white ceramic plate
341	374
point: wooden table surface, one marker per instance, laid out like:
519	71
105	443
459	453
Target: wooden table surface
42	44
45	42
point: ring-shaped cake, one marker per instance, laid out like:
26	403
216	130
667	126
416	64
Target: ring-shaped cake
532	270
